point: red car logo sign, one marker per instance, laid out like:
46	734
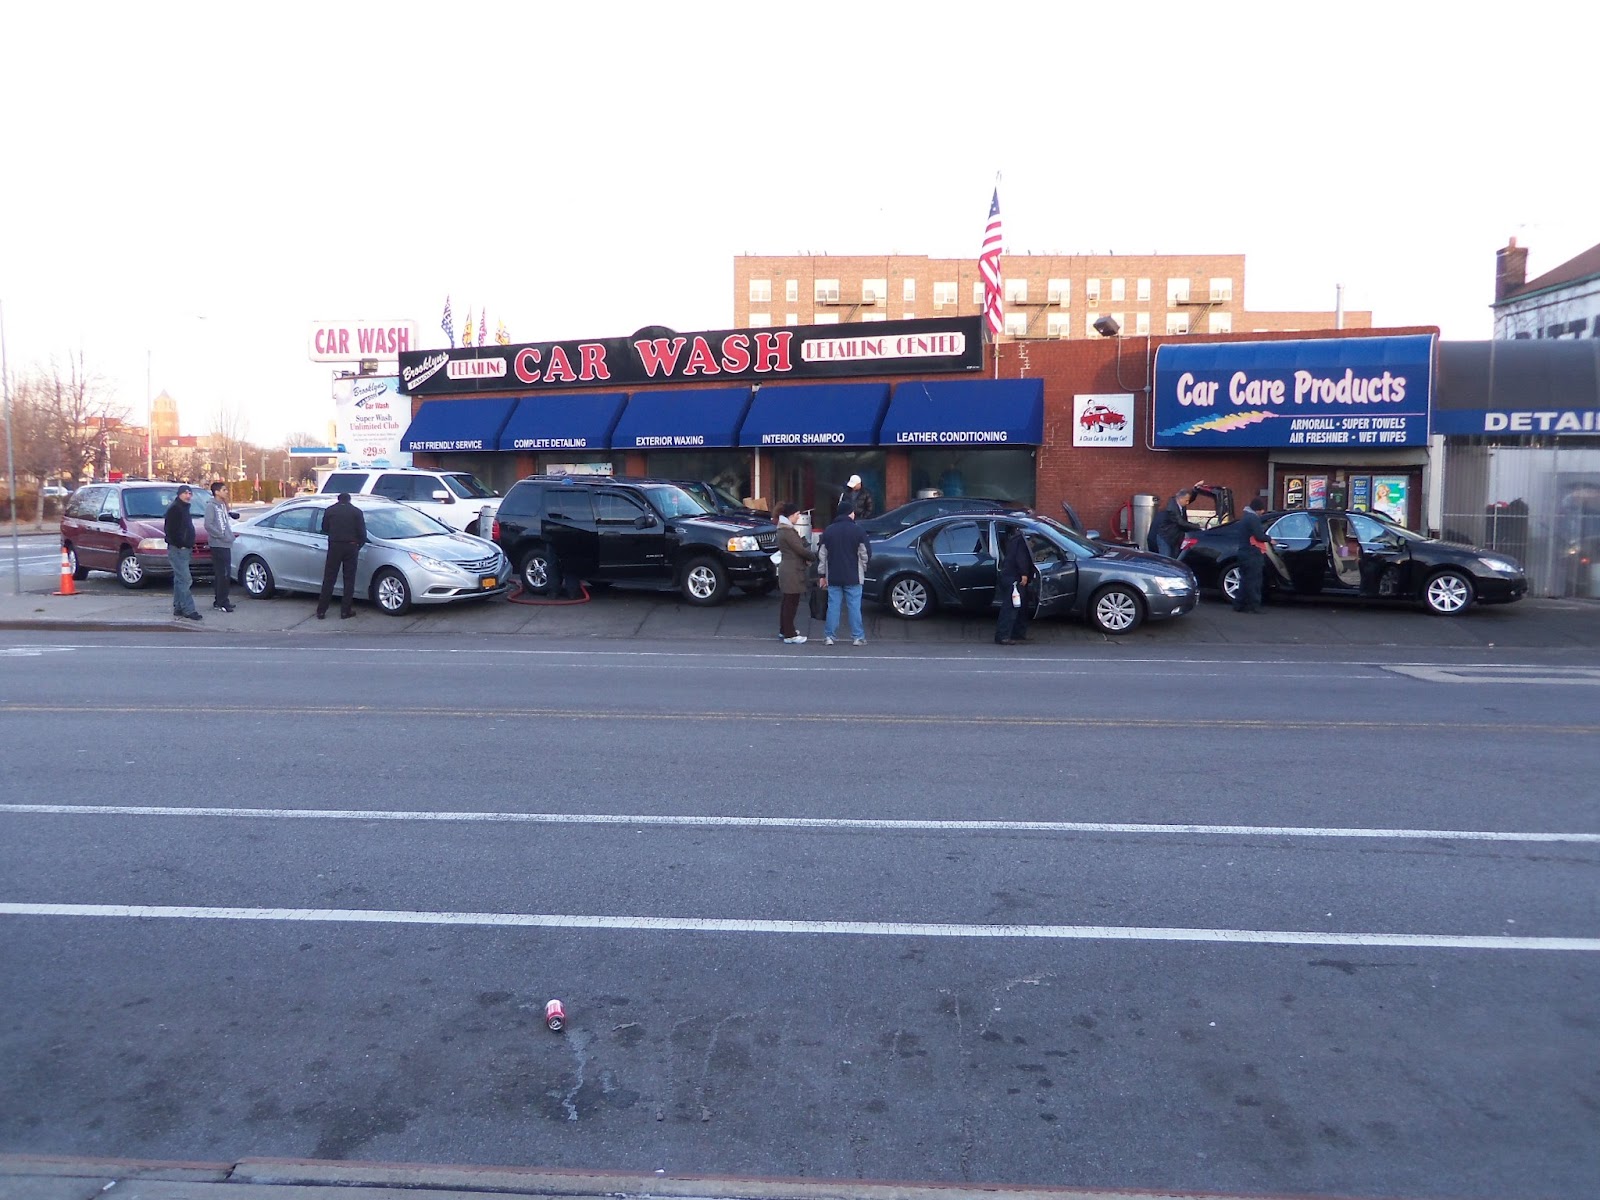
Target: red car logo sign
1100	416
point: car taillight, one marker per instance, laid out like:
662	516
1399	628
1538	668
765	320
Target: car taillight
1188	540
494	529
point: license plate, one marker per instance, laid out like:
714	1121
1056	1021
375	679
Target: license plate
489	581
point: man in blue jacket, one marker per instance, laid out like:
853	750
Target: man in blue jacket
842	565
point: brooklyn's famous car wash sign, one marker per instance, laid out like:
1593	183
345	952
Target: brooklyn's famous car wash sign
657	356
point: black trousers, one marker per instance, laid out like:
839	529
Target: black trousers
1251	563
1011	622
341	557
788	608
222	568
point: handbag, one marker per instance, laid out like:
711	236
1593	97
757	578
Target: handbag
817	601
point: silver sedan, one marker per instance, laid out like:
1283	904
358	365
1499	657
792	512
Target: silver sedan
409	558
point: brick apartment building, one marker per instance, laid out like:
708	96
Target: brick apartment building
1050	296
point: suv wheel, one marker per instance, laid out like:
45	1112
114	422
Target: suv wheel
704	581
539	571
130	570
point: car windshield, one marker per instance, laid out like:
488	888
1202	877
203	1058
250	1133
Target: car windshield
672	501
469	487
726	498
400	522
1081	545
702	493
149	504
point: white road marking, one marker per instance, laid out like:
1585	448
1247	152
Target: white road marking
826	823
1117	933
1500	673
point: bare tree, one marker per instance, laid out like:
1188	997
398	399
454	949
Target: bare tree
80	413
230	429
37	451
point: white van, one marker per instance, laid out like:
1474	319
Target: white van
454	497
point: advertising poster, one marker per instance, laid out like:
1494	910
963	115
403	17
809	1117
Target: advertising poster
371	416
1361	492
1103	420
1389	496
1316	491
1294	491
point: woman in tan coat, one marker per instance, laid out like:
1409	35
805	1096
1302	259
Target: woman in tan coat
794	556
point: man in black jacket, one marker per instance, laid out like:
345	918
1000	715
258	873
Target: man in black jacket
1252	559
180	553
1016	571
1171	523
347	533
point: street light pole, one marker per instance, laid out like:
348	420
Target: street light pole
149	422
11	466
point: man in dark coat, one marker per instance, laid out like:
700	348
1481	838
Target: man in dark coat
843	563
856	498
794	554
1171	523
180	553
1016	571
347	533
1252	558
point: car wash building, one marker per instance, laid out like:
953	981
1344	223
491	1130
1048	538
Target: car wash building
1518	422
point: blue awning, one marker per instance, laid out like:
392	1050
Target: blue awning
682	419
966	412
565	421
815	416
442	425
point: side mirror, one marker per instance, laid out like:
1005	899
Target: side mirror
644	521
233	514
1093	535
443	497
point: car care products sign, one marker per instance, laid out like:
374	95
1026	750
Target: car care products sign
1351	393
371	416
1102	420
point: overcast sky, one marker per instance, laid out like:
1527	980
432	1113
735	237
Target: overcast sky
203	182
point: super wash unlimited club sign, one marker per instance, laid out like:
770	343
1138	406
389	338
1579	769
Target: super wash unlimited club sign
655	356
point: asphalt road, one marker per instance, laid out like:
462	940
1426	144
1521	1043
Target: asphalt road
913	913
32	555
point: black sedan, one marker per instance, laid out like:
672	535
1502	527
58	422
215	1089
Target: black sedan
917	511
1341	553
953	562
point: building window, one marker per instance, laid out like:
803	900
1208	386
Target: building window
1178	322
827	291
908	315
977	293
874	291
1089	318
761	291
1222	290
1178	293
1091	291
908	291
1121	319
944	294
757	320
1220	322
1058	291
791	318
1016	291
825	319
1017	324
1119	290
1144	291
1141	322
791	290
1058	324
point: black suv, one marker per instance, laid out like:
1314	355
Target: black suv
559	529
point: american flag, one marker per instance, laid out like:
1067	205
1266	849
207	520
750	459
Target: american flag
449	323
483	328
502	335
994	309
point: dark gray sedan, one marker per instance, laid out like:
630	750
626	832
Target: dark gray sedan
409	558
953	562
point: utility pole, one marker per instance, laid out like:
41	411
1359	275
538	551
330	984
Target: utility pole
11	467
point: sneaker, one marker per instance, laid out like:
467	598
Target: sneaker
194	616
829	641
859	642
798	639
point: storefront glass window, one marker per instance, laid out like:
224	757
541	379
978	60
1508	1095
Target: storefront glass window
813	479
999	474
726	469
495	471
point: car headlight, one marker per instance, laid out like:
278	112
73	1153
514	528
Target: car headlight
152	545
431	564
736	544
1173	585
1500	566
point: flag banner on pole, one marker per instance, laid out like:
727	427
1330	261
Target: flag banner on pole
449	323
483	327
994	311
466	334
502	335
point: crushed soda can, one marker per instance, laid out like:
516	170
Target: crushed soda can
555	1017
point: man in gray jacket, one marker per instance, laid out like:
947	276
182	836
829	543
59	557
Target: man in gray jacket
219	531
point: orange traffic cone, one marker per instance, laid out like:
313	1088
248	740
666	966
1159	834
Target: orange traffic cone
66	575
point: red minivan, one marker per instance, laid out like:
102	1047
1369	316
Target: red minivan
121	527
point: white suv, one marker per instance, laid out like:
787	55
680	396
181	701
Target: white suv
454	497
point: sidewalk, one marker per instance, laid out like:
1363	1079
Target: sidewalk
24	1177
1343	629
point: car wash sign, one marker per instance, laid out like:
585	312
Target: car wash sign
724	355
1356	393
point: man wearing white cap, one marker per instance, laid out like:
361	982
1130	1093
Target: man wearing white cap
856	498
